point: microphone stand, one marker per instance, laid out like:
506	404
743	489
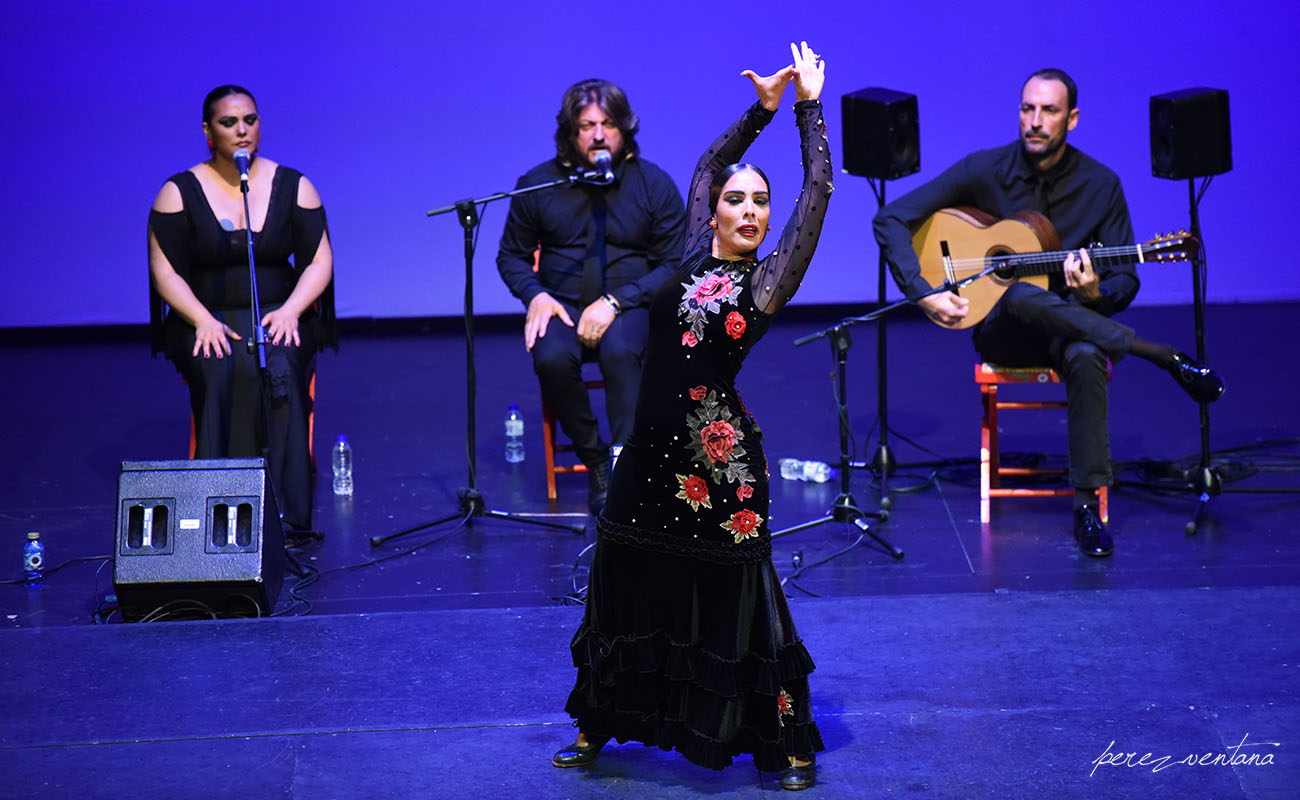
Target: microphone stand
469	499
256	345
845	508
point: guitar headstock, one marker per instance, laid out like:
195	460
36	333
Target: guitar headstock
1177	246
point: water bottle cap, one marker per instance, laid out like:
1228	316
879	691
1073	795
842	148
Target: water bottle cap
513	407
342	438
33	535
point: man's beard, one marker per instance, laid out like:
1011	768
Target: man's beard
1052	148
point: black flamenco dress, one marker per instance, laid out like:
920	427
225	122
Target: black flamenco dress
226	393
687	642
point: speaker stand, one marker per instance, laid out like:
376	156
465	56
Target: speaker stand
1207	481
883	464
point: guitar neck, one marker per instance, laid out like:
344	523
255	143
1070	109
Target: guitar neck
1023	265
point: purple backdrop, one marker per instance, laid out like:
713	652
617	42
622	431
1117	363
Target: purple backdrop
395	108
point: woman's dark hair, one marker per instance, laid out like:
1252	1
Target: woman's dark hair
210	102
612	101
724	175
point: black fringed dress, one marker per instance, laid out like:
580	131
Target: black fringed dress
687	642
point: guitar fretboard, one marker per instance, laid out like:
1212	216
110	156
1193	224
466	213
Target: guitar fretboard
1026	264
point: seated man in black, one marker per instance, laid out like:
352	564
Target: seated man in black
606	246
1068	326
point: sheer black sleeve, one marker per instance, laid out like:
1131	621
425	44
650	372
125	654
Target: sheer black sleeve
778	276
172	232
309	228
725	151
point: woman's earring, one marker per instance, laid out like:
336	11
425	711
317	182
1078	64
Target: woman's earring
713	223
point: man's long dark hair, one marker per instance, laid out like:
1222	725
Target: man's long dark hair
611	99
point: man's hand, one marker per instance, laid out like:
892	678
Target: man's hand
540	310
595	320
946	308
1081	277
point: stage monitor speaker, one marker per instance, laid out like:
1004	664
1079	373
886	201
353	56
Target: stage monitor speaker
1191	136
197	532
882	136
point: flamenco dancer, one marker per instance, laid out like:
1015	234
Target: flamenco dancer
687	642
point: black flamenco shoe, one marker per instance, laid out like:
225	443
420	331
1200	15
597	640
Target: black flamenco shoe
1091	534
795	779
1198	380
579	755
597	486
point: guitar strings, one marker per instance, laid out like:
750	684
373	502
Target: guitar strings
980	262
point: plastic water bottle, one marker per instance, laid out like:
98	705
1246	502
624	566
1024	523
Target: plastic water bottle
514	434
792	469
33	560
341	458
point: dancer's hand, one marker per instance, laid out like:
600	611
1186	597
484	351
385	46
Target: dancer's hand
770	88
810	72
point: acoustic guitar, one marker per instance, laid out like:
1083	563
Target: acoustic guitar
1023	247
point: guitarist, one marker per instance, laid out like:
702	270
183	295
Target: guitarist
1069	325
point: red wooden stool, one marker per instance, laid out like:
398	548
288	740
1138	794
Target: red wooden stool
552	447
989	377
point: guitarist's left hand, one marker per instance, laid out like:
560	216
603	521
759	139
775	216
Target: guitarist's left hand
1081	277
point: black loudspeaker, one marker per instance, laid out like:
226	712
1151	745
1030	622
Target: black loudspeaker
1191	136
882	137
197	532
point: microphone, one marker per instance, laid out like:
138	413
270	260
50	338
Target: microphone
604	163
241	163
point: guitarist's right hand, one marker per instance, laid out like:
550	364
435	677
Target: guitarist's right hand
945	308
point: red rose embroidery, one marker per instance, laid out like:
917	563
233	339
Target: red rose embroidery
744	491
689	339
698	393
735	325
743	522
714	287
718	439
784	707
694	491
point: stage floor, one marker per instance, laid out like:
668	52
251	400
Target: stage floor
993	660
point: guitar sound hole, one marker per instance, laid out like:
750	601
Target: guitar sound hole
1003	269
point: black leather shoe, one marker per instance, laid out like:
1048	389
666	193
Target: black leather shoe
1201	382
1091	534
597	483
797	778
579	755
